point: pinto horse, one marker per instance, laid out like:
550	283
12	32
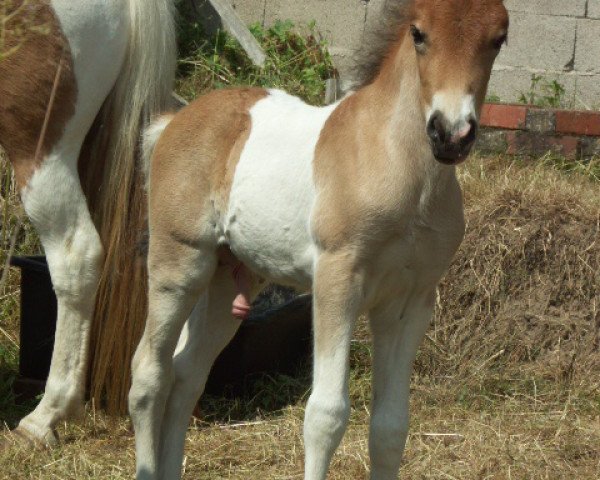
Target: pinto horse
71	69
358	200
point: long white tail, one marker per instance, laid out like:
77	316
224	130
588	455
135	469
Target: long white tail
114	186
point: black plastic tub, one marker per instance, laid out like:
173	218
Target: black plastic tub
38	323
275	341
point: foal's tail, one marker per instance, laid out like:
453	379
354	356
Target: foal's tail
114	186
151	135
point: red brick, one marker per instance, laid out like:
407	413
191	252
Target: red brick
578	123
512	117
490	141
534	144
589	147
541	120
566	146
511	141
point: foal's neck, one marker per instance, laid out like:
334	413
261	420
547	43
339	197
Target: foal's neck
395	97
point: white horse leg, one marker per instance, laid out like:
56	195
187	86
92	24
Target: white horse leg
396	338
209	329
54	201
56	205
336	306
178	274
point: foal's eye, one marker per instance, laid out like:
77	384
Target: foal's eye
418	36
498	42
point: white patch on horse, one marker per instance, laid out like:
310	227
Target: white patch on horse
98	37
273	190
457	107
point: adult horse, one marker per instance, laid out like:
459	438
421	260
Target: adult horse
358	199
73	68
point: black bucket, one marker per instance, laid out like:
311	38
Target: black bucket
274	341
278	341
38	324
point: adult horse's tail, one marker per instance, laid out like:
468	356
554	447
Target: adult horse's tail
113	181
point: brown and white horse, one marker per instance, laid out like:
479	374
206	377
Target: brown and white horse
358	200
68	64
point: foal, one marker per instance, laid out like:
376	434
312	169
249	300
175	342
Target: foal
358	199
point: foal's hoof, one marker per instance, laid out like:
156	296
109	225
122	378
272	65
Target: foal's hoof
21	438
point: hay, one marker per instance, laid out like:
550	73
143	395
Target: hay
523	294
506	386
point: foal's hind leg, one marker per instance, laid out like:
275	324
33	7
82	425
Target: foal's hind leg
179	271
396	339
209	329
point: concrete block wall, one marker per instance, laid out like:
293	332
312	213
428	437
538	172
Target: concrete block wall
556	39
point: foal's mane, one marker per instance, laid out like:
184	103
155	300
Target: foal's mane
378	42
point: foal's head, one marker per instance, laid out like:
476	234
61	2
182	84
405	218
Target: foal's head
456	43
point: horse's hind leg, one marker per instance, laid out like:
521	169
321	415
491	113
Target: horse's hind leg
179	269
53	94
55	203
209	330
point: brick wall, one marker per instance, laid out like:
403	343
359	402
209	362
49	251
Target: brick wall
557	39
524	130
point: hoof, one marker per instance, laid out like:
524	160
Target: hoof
21	438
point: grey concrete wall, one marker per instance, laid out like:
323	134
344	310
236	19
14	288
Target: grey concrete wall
557	39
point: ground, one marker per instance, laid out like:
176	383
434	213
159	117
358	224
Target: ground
507	382
506	385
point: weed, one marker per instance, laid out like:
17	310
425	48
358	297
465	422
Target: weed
297	63
587	168
492	98
544	93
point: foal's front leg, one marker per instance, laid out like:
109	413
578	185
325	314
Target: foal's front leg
337	294
398	328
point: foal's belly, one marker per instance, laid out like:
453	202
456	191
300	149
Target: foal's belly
267	225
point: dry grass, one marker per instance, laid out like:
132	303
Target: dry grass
19	238
506	385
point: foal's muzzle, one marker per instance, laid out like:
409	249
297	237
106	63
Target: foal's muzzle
451	143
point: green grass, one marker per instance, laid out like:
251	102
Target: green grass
587	168
297	63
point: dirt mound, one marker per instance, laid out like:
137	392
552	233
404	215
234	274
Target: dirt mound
523	294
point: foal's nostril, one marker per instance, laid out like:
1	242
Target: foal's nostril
436	128
470	133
